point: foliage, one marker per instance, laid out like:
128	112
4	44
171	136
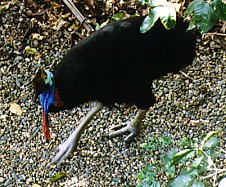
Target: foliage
191	166
204	15
154	144
160	9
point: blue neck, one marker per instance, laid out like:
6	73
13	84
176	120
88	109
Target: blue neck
47	98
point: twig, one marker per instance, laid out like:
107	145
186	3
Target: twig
67	39
215	33
221	43
187	76
78	15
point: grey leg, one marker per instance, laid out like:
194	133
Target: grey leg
132	127
70	145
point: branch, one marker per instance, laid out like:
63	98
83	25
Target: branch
78	15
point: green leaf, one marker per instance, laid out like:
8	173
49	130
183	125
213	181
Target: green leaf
30	50
147	177
203	166
185	142
148	2
198	184
191	7
148	183
164	141
203	15
180	155
212	142
220	9
190	171
149	21
118	16
207	137
170	172
191	25
168	17
168	158
147	172
57	176
182	181
97	27
197	162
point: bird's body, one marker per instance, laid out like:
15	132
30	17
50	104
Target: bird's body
117	64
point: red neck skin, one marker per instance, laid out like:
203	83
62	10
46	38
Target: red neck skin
57	103
45	127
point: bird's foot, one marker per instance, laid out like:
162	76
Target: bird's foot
65	149
70	145
132	128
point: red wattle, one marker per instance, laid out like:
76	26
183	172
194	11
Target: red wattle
45	127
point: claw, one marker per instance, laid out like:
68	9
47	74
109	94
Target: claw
133	130
64	150
132	127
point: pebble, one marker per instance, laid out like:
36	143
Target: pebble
8	182
185	108
1	180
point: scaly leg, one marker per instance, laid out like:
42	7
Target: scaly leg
132	127
70	145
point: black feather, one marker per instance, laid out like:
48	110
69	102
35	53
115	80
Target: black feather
117	63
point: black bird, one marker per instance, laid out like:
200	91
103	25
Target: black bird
115	64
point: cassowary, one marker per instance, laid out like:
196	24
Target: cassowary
115	64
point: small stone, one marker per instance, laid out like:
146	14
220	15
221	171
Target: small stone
18	58
8	182
2	180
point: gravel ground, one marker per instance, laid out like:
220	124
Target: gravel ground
190	104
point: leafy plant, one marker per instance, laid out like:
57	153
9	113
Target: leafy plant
204	15
154	143
160	9
191	166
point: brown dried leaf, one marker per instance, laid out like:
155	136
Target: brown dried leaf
15	109
36	36
58	24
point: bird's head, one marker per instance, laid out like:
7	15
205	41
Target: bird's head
42	81
44	86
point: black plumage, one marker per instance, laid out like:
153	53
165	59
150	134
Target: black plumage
117	64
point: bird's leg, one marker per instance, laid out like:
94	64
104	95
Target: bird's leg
70	145
133	127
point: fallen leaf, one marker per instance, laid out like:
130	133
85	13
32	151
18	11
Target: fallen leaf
3	117
30	50
36	36
35	185
15	109
57	176
58	24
